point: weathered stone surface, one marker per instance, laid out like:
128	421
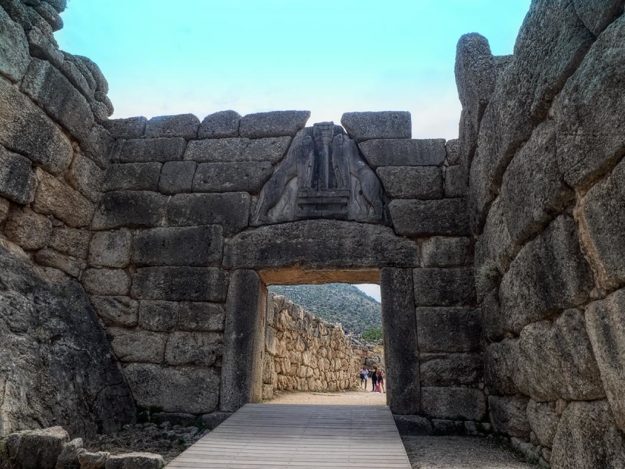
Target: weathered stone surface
137	346
116	310
508	415
413	425
444	287
403	152
501	361
597	15
50	15
543	421
229	210
441	369
181	389
110	248
27	228
130	209
320	243
42	46
588	438
448	329
133	176
199	246
86	177
369	125
176	177
557	361
179	284
456	184
106	281
49	88
95	460
193	348
406	182
401	353
160	316
68	264
447	217
201	317
452	148
606	328
532	190
68	459
528	294
27	130
37	448
131	127
55	197
98	146
231	177
273	124
14	56
219	125
151	149
453	403
602	213
70	356
135	461
181	125
214	419
5	206
234	150
440	251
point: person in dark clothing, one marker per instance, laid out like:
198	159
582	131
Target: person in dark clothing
374	378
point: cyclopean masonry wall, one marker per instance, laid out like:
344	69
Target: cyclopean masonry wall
304	353
542	131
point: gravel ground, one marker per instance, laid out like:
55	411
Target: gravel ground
330	398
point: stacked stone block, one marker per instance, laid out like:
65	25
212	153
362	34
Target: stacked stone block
545	198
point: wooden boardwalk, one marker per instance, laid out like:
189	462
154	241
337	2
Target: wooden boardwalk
300	436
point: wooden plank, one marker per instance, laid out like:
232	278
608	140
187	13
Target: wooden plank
300	436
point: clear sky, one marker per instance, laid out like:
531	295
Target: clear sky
329	57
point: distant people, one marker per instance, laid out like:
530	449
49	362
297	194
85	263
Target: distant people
380	381
374	378
364	374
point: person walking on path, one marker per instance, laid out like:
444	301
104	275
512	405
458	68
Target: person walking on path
364	374
374	378
380	381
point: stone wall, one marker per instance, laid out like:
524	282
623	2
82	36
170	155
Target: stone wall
542	131
304	353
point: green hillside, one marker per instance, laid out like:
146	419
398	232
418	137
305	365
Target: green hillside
336	302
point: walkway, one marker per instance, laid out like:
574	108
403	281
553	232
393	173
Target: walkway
300	436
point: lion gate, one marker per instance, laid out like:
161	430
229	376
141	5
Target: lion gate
199	217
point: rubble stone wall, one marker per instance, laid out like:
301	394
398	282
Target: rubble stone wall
542	132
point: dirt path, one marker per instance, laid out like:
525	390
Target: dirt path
330	398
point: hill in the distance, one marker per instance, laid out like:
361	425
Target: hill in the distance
336	302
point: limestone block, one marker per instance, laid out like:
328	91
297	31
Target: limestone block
201	317
238	150
597	15
131	209
179	284
27	228
602	213
134	460
188	246
151	149
14	56
49	88
137	346
212	420
456	184
444	287
528	294
369	125
587	438
404	152
543	421
429	217
116	310
68	264
176	177
407	182
43	46
110	248
193	348
439	251
273	124
95	460
159	316
557	361
606	328
231	177
55	197
229	210
508	415
98	146
181	125
453	403
448	329
106	281
439	369
133	176
37	448
131	127
492	316
70	69
26	129
452	148
69	455
219	125
5	206
50	15
501	361
86	177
